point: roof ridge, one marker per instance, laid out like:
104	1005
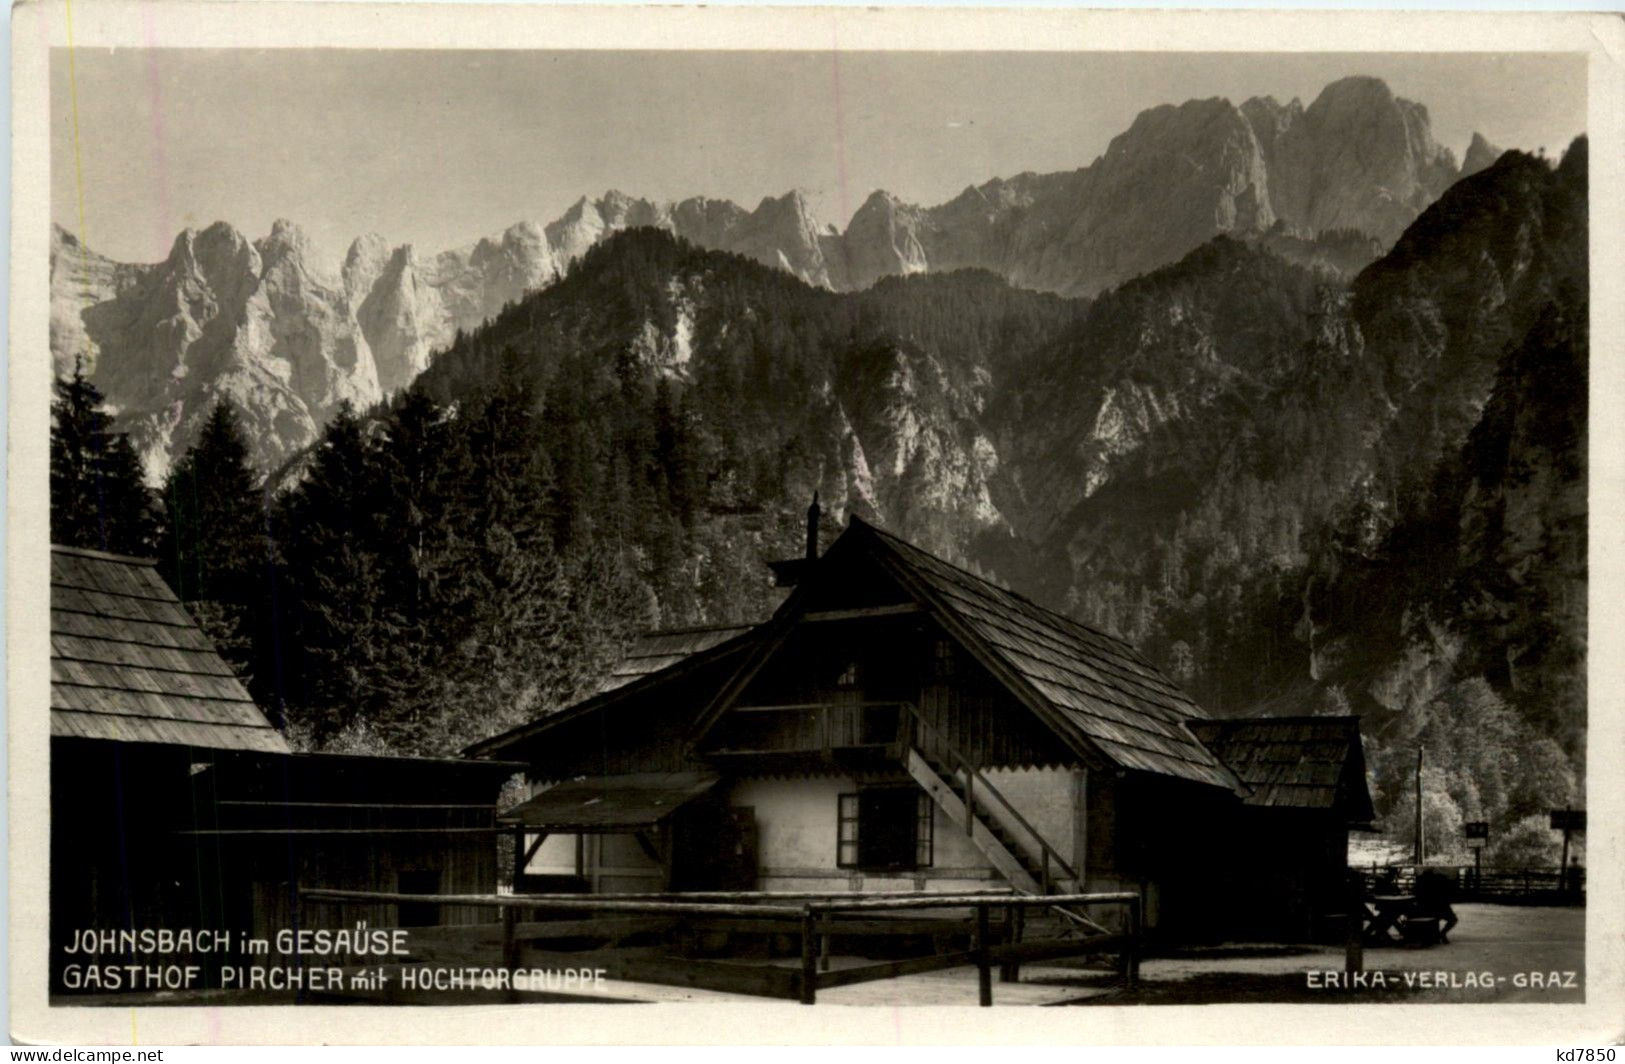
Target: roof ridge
102	555
1299	718
691	629
1091	629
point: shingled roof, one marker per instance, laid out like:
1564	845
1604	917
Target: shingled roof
1294	762
653	651
129	663
1100	688
1097	692
653	658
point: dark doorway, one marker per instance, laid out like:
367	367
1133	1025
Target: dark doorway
713	847
418	913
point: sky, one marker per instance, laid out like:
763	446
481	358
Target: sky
440	148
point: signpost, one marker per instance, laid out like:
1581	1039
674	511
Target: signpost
1567	821
1421	849
1478	836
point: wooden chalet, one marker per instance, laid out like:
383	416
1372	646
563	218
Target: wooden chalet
175	804
902	724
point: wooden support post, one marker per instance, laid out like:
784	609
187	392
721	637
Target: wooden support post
809	964
1563	865
984	972
535	847
518	856
1421	848
1354	936
823	949
1007	970
970	809
1131	946
1021	930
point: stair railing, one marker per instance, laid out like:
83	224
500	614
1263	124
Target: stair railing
1049	856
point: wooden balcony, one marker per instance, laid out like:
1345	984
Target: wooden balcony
810	736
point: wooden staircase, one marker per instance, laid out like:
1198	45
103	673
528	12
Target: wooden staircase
1046	873
989	838
1011	845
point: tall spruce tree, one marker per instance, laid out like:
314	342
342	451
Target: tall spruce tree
213	542
98	497
324	667
212	548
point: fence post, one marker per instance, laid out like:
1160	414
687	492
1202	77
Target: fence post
984	973
510	946
1354	937
809	957
1131	949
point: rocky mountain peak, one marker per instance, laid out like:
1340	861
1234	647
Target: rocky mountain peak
1174	127
707	222
576	230
1481	155
219	256
363	262
288	242
790	209
1356	92
1359	158
61	238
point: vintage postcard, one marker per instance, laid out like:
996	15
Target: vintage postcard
818	524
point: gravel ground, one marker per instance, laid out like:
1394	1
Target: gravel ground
1496	953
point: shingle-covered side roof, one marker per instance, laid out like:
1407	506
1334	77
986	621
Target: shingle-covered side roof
1294	762
1099	685
653	651
652	659
129	663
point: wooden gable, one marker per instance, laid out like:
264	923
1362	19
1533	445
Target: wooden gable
1094	693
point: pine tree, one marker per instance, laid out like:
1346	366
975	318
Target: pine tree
98	497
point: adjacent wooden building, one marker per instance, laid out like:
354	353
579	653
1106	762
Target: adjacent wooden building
900	723
175	804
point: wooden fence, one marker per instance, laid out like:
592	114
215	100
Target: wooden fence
1507	886
993	921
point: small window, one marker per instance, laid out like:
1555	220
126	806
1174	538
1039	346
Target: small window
885	829
849	678
942	660
846	847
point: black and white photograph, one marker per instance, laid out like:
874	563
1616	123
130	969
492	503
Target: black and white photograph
806	517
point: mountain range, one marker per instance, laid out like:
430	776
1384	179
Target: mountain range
288	336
